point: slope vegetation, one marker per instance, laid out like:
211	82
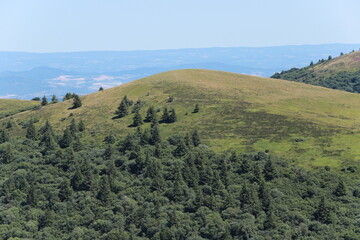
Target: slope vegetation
10	107
312	125
341	73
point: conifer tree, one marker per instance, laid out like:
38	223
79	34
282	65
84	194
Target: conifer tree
44	101
31	131
122	110
65	191
4	136
264	196
104	193
196	138
270	222
323	212
66	139
165	116
172	116
73	128
101	89
340	190
196	109
81	126
7	155
77	180
269	170
150	114
137	120
54	99
181	149
77	101
155	135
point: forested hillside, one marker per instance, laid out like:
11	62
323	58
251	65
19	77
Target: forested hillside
341	73
65	185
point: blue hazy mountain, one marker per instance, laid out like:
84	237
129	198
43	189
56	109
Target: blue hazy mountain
25	75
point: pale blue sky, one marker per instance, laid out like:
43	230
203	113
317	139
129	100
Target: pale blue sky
87	25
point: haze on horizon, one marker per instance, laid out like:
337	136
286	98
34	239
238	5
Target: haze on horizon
92	25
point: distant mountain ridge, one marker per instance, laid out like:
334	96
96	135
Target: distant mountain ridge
26	75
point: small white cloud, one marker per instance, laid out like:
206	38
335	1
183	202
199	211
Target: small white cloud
57	83
66	78
104	78
8	96
105	85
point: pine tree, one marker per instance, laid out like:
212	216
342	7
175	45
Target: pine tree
7	155
137	120
104	193
76	102
54	99
122	110
155	135
196	138
172	117
150	114
196	109
311	63
31	131
181	149
165	116
32	197
44	101
65	191
73	128
66	139
340	190
4	136
270	222
101	89
269	170
323	212
77	180
264	196
81	126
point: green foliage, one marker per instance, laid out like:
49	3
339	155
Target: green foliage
137	120
196	108
31	131
44	101
123	109
76	101
54	99
145	187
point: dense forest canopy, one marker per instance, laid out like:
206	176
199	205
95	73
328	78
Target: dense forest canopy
66	185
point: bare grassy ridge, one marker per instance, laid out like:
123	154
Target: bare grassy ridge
312	125
10	107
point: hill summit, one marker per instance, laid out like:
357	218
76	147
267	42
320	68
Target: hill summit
313	125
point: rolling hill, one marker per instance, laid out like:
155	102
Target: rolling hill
311	125
341	73
9	107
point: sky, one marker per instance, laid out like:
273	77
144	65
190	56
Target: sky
91	25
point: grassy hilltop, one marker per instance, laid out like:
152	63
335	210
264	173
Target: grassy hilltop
312	125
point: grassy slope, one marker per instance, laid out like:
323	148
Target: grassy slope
348	62
12	106
240	112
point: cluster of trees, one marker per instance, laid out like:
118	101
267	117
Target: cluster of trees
66	185
168	116
342	80
76	100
